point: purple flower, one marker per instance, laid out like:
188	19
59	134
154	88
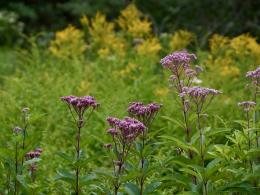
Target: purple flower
32	154
199	95
80	105
112	131
179	64
178	59
80	102
145	113
254	76
248	105
39	150
17	130
125	130
199	92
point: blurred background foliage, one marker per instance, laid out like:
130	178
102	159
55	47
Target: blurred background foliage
204	17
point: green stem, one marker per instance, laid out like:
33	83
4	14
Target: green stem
78	156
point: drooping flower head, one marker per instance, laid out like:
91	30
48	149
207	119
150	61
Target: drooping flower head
144	113
247	105
125	130
199	95
254	76
80	104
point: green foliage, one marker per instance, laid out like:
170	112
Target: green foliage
34	78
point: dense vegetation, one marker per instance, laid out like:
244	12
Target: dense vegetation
177	141
204	17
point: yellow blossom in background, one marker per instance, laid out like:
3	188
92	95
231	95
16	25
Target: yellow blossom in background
232	71
182	39
68	43
103	52
104	38
84	87
131	21
128	71
161	92
84	21
149	47
245	44
218	42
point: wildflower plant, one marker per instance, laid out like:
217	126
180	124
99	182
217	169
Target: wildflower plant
182	75
146	114
32	158
194	99
124	133
81	108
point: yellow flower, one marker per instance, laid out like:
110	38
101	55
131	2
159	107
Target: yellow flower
104	37
84	87
131	21
84	21
128	71
149	47
161	92
68	43
103	52
232	71
218	42
245	44
181	39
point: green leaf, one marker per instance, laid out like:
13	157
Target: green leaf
21	180
181	144
131	189
152	187
178	123
66	176
87	178
32	161
66	156
188	193
218	131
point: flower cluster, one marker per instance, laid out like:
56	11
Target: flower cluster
67	40
254	75
179	64
199	95
182	39
177	59
125	130
247	105
80	104
199	92
145	113
33	154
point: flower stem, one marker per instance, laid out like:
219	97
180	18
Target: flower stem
16	167
78	156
